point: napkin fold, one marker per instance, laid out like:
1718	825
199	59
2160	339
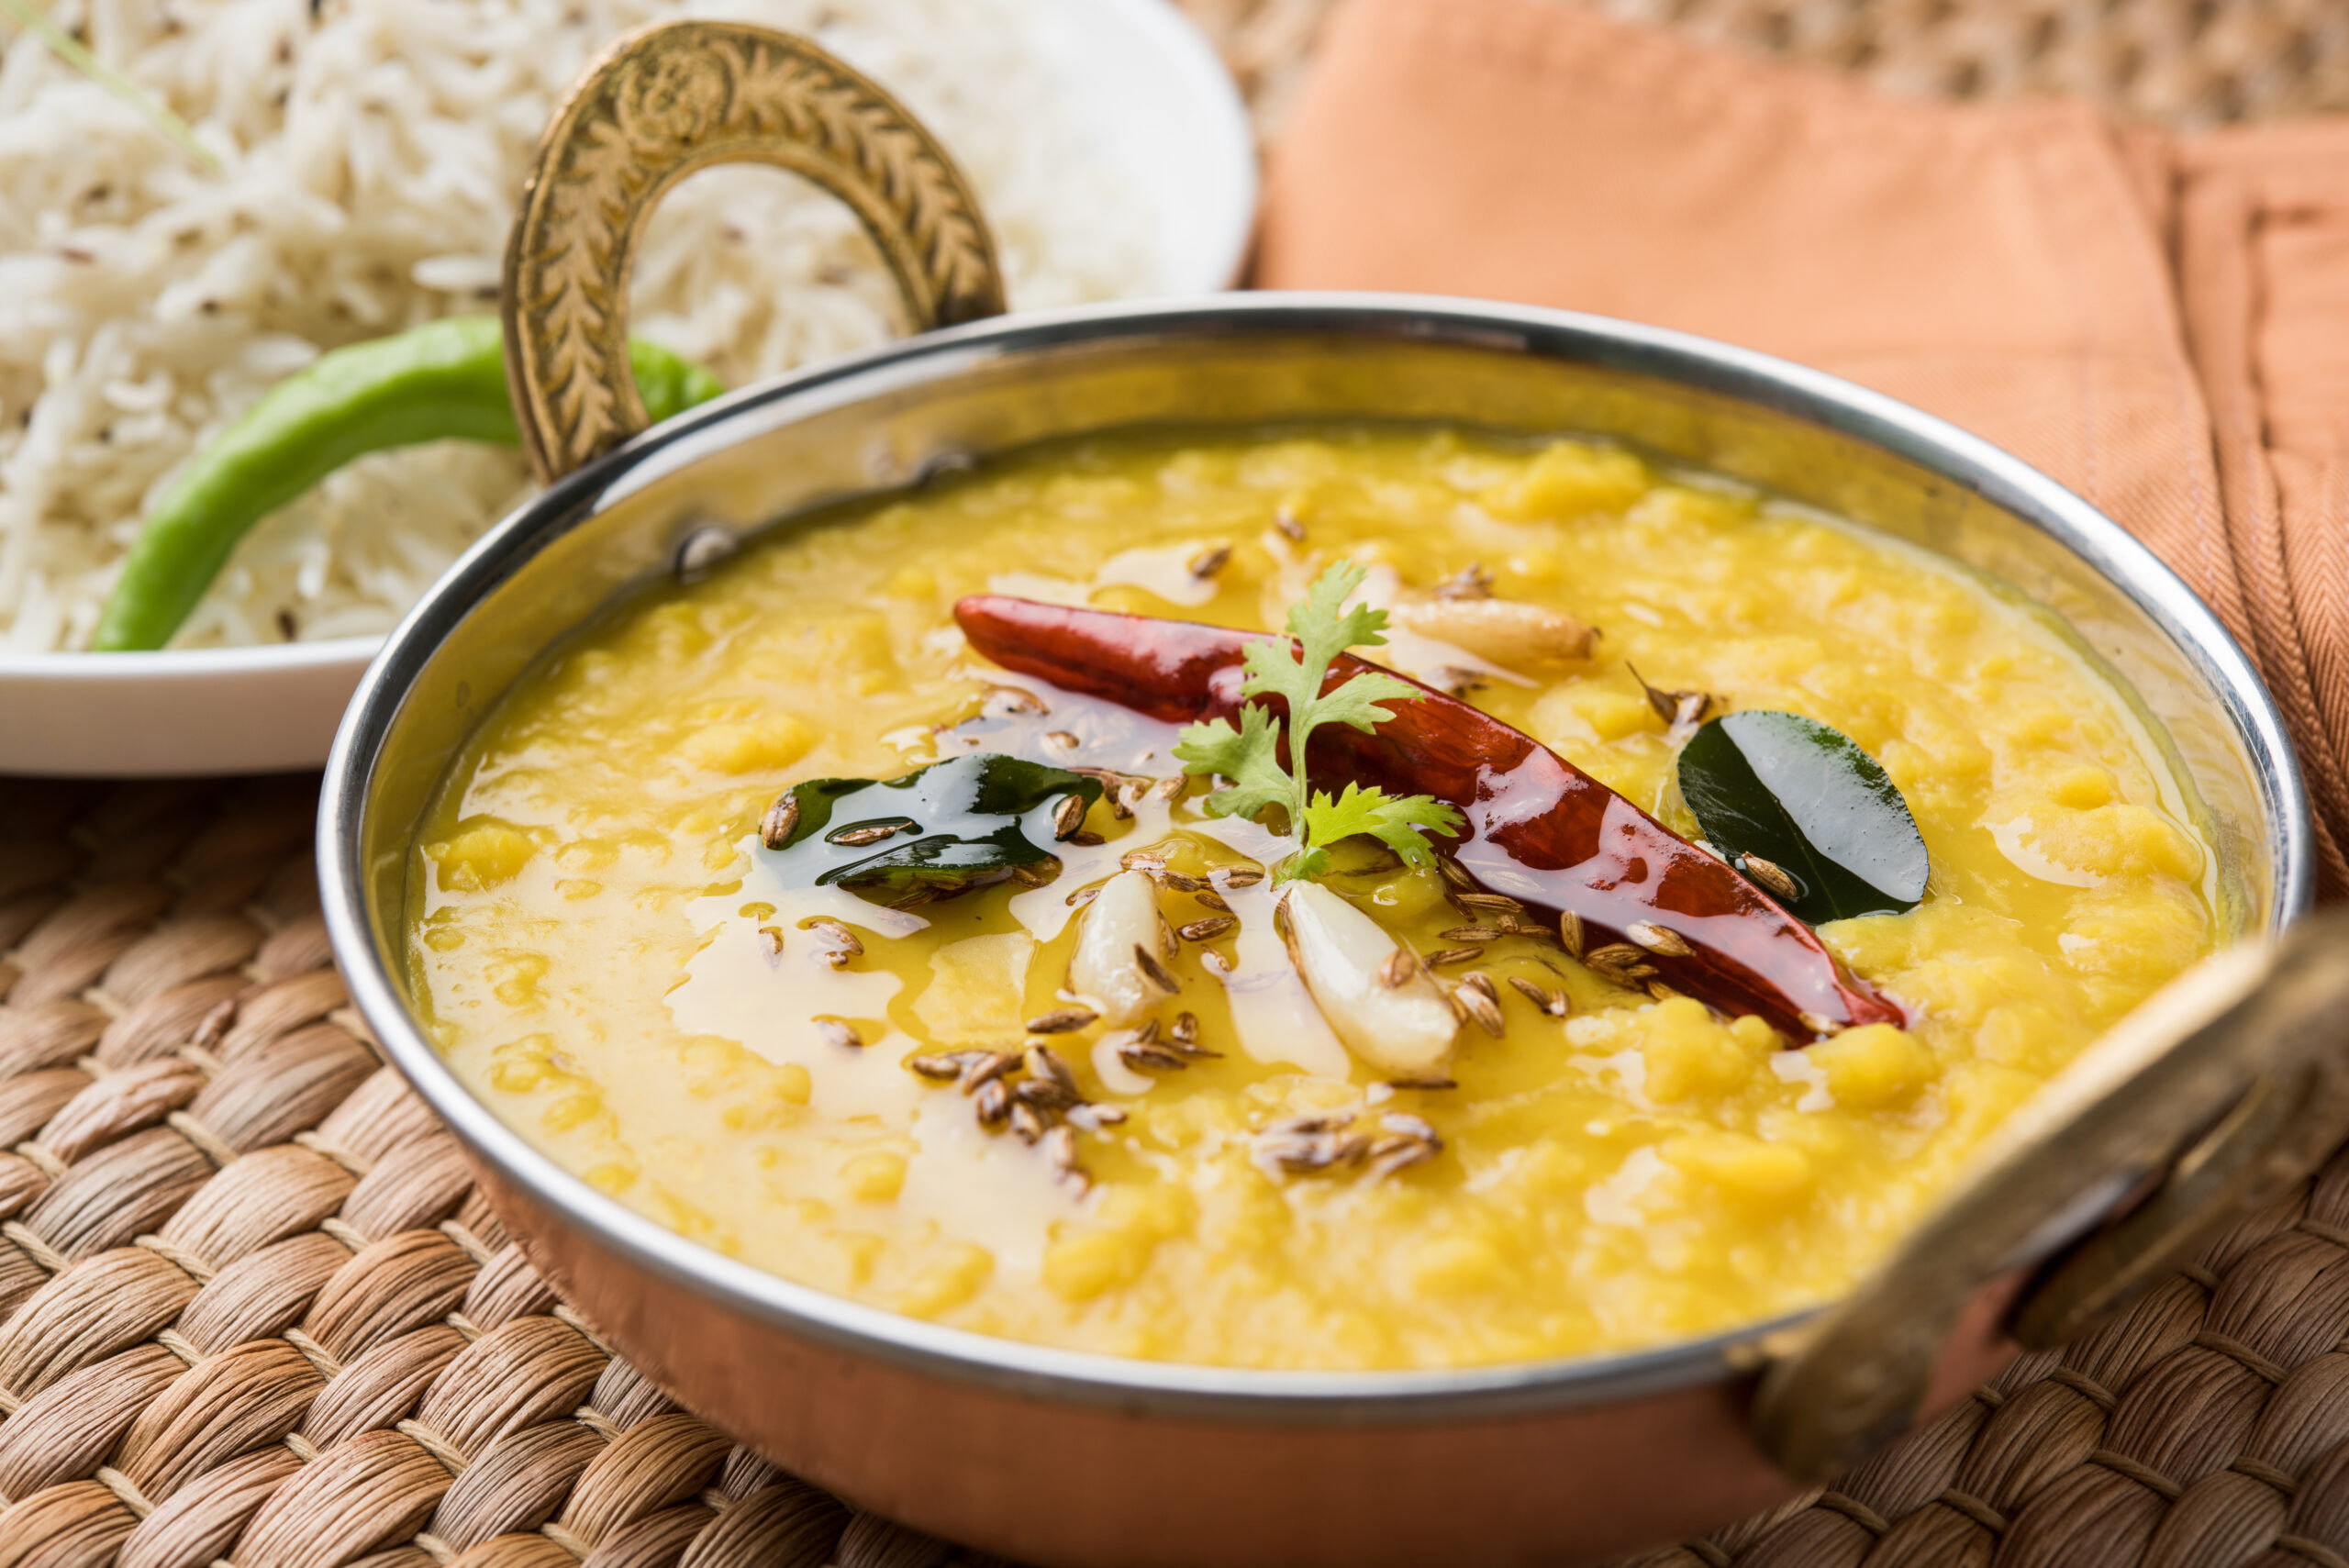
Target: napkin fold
2161	323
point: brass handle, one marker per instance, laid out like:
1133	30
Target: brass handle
2221	1090
658	105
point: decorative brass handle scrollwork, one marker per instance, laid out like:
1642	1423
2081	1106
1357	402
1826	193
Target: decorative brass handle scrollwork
660	105
2221	1090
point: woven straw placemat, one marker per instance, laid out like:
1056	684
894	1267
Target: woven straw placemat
252	1309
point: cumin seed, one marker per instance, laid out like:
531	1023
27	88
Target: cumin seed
1552	1002
1156	971
1480	1008
1471	582
1044	1066
987	1067
1145	1057
1660	940
845	945
1489	903
1389	1155
1620	962
1770	874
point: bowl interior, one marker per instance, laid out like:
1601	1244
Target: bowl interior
763	456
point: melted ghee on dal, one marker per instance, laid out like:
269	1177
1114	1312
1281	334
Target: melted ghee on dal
586	941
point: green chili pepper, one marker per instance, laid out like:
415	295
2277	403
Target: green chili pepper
444	379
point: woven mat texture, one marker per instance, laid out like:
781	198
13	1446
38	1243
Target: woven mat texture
252	1309
2181	63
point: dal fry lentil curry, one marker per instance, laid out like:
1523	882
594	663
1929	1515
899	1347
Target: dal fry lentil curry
969	1109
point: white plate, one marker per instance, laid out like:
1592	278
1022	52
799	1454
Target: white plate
1164	114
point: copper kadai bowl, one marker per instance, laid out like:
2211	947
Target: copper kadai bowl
2213	1096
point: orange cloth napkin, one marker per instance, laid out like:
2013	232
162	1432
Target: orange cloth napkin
2161	325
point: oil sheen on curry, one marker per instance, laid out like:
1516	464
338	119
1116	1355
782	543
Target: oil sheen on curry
1378	899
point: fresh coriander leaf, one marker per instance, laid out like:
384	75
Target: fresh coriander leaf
1355	703
1273	671
1324	627
1404	824
1248	756
1401	823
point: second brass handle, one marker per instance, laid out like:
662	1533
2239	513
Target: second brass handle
2223	1088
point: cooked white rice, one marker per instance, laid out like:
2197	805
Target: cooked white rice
373	156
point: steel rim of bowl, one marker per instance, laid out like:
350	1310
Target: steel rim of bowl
1173	1389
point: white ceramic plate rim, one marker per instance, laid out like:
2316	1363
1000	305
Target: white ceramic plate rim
274	706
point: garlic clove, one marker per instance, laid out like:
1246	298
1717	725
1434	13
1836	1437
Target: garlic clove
1407	1030
1120	928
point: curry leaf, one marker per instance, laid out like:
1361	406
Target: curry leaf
953	825
1811	818
1249	757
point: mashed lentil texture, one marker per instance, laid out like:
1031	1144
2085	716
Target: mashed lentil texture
596	943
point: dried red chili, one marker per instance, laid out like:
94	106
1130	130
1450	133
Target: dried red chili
1649	905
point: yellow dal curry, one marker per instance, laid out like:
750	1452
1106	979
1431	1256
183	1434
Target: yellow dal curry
593	940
